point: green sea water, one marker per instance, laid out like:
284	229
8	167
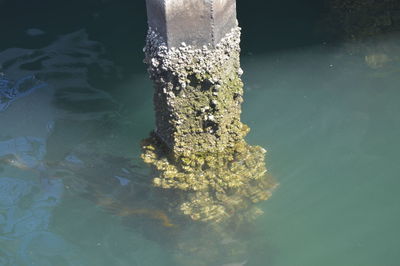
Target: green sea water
329	121
331	128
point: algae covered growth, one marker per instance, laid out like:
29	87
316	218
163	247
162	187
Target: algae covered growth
198	147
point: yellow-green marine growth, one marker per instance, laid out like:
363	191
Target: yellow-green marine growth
198	147
217	186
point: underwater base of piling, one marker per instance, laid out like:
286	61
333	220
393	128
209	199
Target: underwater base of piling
212	187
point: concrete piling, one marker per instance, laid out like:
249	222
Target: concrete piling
198	149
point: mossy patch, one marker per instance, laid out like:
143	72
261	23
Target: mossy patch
198	147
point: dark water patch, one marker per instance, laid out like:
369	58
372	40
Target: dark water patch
64	91
275	25
73	65
35	65
78	54
84	105
58	75
25	57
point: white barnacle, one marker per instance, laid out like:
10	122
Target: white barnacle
154	62
211	118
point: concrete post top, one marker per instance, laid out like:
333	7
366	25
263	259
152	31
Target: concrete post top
193	22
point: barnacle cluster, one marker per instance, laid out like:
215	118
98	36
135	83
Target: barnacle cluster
198	148
198	92
212	187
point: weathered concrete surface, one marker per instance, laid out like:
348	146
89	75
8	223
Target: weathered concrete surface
194	22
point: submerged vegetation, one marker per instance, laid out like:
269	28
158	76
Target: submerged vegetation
212	187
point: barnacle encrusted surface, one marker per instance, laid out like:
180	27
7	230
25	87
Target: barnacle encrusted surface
212	186
198	93
198	146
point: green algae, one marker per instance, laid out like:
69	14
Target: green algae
198	148
215	186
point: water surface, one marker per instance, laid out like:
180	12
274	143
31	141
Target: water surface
69	152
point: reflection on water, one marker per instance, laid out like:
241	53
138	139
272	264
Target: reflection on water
11	91
26	204
32	110
73	190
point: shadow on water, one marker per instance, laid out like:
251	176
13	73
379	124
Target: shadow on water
272	26
107	21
